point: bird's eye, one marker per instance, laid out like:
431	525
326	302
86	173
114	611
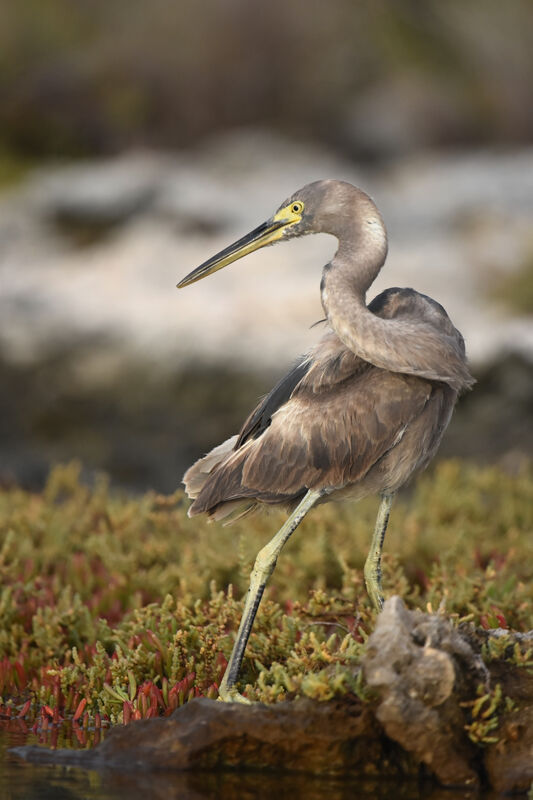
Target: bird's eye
297	207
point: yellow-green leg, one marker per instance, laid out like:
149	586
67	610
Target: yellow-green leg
373	560
263	569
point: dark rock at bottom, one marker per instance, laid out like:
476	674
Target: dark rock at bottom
336	737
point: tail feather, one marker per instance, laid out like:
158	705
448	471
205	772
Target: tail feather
231	511
222	486
208	495
215	484
197	476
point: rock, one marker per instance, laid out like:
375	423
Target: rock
509	762
105	192
338	737
197	203
417	663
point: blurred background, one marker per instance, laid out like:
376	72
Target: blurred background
137	139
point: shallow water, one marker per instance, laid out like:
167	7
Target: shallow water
20	780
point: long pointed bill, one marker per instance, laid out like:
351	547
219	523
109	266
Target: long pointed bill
267	233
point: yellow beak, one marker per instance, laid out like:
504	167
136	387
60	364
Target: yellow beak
267	233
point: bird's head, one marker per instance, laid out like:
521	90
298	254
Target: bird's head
327	206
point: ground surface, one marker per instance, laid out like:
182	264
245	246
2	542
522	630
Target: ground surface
118	608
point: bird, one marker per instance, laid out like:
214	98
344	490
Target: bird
359	414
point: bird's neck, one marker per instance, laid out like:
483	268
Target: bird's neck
407	345
355	266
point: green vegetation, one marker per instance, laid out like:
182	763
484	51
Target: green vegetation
484	714
116	608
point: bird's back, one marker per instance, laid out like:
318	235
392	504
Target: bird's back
396	303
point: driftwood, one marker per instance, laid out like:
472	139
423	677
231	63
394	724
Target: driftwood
426	675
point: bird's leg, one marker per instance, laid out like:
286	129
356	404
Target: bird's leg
263	569
373	561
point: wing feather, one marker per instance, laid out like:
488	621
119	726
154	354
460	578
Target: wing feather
260	417
327	440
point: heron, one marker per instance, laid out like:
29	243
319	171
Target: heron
359	414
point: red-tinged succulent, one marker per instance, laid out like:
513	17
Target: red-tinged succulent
80	709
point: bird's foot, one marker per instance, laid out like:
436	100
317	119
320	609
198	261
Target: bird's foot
377	601
229	694
373	588
372	573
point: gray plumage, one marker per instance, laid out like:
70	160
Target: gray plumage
367	407
360	414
